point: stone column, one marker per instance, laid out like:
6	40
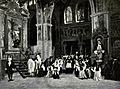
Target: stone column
107	25
94	20
25	41
47	42
39	17
44	37
1	43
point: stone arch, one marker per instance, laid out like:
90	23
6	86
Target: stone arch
92	6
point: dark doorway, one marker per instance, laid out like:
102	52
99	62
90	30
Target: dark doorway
32	37
86	48
71	47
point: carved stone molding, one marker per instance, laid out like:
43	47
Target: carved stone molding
100	31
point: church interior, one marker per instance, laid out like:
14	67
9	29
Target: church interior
58	27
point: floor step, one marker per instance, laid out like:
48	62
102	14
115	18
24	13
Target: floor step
21	73
23	70
18	64
21	67
26	73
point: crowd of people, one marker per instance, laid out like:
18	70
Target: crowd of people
81	66
48	67
52	67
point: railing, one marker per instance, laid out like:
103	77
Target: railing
23	58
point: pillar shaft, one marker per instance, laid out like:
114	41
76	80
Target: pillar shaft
44	39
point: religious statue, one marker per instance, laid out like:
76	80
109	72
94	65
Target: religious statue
16	39
99	50
80	15
13	35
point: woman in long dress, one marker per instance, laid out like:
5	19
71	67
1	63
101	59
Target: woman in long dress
31	66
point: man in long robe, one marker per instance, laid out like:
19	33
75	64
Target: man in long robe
31	66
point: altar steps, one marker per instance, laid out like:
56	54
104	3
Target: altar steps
21	68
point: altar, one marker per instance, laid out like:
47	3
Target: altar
13	32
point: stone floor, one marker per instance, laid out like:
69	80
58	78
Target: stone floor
67	81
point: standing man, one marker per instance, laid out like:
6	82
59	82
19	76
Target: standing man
9	67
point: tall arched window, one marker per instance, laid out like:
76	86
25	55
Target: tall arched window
68	15
80	15
82	12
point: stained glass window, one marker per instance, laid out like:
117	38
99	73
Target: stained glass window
68	15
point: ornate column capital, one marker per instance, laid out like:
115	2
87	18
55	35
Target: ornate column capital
99	13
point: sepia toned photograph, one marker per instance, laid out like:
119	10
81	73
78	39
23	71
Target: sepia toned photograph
59	44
